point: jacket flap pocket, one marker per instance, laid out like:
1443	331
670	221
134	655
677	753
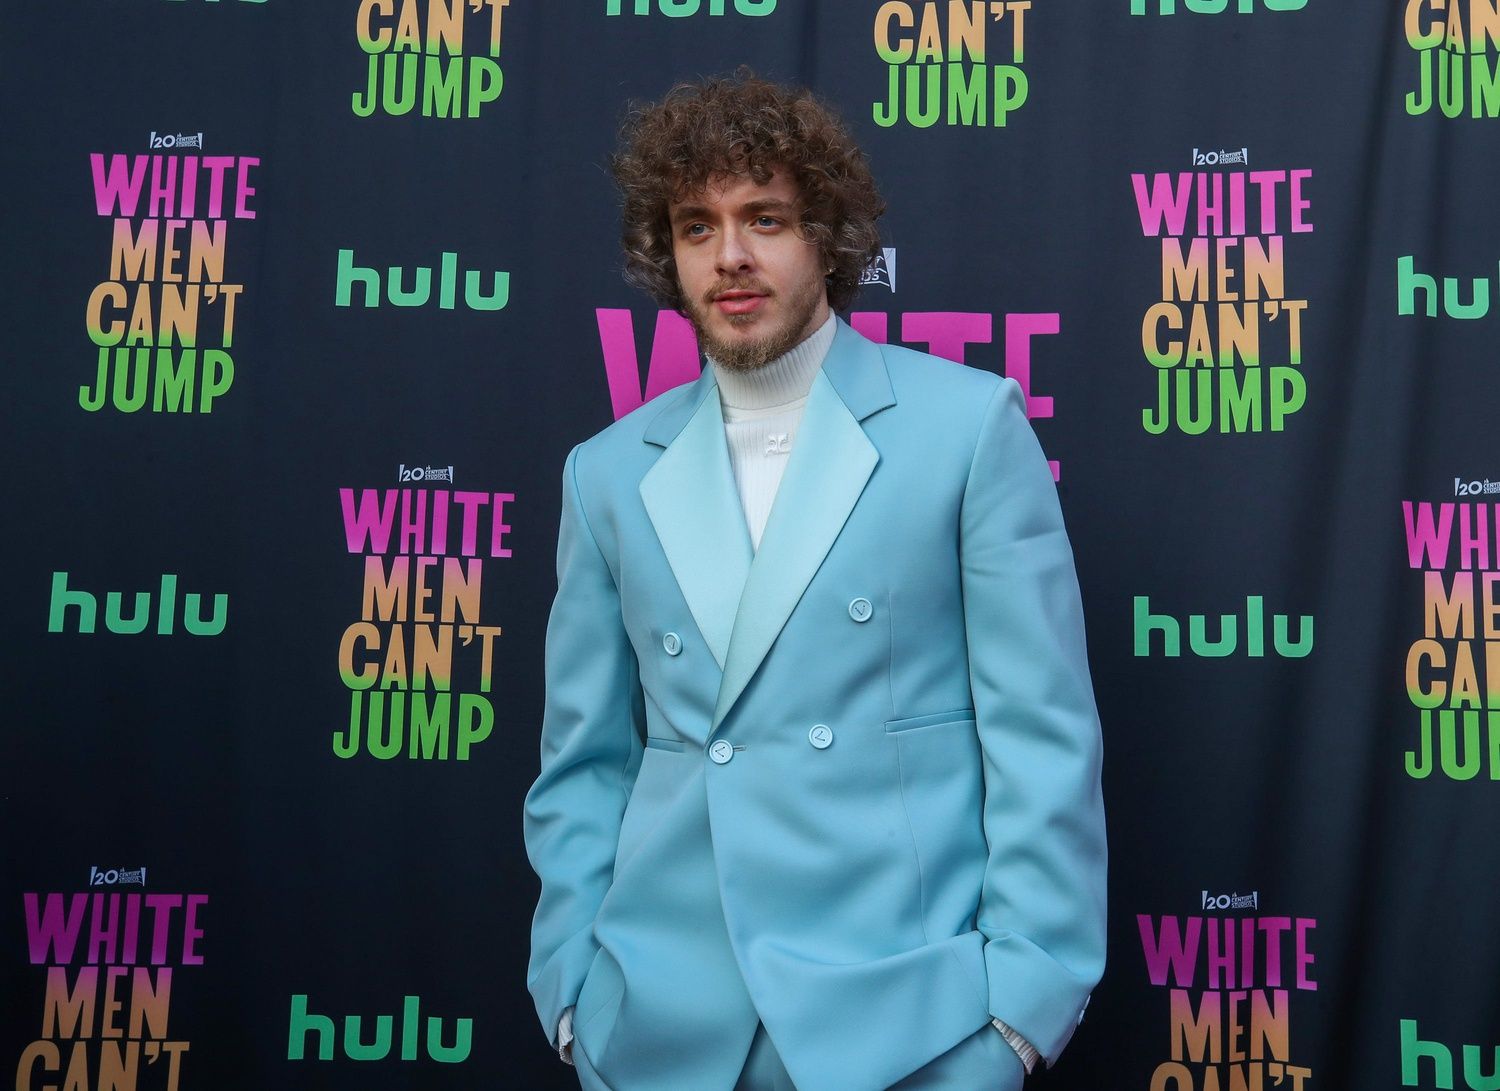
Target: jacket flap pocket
911	723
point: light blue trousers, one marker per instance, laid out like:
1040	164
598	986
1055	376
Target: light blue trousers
983	1061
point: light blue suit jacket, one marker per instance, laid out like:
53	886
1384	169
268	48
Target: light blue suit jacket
873	900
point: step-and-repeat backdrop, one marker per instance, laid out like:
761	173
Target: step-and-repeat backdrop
308	301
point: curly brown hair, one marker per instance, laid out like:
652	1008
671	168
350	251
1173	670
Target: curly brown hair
743	125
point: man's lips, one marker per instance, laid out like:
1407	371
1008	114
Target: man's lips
738	301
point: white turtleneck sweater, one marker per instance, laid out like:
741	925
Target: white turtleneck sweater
762	410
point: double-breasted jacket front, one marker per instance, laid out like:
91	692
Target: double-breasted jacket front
847	784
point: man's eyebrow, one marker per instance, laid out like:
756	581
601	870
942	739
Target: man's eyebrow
753	208
770	204
688	212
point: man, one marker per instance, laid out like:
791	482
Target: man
819	803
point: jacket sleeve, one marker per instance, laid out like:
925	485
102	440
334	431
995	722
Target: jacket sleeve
1042	906
591	749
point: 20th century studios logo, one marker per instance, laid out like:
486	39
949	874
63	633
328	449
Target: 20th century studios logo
116	876
1231	901
425	473
1221	157
882	269
1475	487
175	140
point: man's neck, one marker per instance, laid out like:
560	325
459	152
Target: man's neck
781	381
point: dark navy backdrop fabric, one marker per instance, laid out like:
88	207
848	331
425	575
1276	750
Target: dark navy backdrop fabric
1279	782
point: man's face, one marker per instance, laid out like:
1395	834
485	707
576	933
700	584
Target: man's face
752	286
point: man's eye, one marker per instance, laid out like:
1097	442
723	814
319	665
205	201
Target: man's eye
767	221
694	230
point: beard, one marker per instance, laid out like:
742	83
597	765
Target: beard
778	340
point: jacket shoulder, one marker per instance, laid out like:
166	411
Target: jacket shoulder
931	382
621	445
632	427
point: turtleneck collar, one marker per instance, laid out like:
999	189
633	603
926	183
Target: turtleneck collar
783	380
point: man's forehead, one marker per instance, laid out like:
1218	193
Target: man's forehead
740	186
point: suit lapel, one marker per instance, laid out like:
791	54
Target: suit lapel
825	475
691	499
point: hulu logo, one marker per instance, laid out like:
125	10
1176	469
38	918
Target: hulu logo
115	619
420	291
1414	1050
1409	282
680	9
1213	7
321	1027
1228	638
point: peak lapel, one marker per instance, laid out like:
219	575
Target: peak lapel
826	474
692	501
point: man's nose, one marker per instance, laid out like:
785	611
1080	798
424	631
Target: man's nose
734	254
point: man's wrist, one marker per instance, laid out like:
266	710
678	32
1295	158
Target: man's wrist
565	1036
1024	1049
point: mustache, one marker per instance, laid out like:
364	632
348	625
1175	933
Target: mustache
723	286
